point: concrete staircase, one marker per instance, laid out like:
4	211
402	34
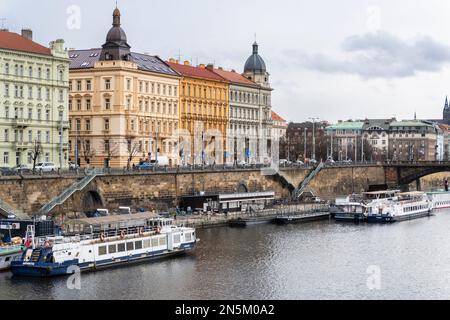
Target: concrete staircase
299	191
6	209
66	194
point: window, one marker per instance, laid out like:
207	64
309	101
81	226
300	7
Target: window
106	124
138	245
47	115
147	243
6	68
70	104
30	136
162	241
88	125
30	113
102	250
47	136
39	95
78	104
79	85
48	74
6	90
130	246
61	95
112	248
128	84
6	135
39	73
88	85
107	104
61	75
107	84
121	247
5	157
88	104
154	242
30	92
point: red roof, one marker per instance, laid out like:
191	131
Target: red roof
234	77
14	41
276	117
196	72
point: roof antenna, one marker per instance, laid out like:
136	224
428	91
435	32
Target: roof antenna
179	54
116	4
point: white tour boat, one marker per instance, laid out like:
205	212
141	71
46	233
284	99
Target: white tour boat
52	256
404	206
440	199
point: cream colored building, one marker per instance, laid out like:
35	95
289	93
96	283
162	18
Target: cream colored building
33	99
124	106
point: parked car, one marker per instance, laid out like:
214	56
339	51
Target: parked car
313	161
45	167
11	216
5	171
73	165
146	166
299	163
22	168
330	161
283	162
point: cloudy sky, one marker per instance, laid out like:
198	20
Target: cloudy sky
327	59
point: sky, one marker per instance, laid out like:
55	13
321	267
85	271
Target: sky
327	59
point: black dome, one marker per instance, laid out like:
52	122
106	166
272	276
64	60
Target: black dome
255	63
117	35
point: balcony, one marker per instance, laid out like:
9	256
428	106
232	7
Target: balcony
65	125
21	145
20	122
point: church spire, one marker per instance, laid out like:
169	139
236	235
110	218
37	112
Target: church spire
446	102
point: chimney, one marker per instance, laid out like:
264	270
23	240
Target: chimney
220	68
187	63
27	34
172	60
210	66
232	70
201	65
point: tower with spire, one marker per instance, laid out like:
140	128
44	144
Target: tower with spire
116	46
446	117
255	68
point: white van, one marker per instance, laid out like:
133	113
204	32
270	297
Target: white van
162	161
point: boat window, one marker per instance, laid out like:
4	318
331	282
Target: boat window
154	242
7	259
147	243
101	250
130	246
112	248
176	238
121	247
138	245
162	241
188	237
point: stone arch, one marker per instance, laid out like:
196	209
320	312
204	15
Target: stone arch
242	187
92	199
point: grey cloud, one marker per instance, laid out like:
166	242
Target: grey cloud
382	55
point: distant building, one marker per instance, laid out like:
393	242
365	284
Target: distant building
34	115
345	136
415	140
446	113
279	126
376	133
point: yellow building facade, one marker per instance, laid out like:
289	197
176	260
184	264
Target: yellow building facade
204	109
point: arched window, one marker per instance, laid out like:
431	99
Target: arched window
7	68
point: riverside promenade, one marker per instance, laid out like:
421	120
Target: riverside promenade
221	220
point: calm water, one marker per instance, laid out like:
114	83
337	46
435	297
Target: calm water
322	260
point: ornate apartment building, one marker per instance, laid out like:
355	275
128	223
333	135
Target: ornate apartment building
204	112
124	106
34	88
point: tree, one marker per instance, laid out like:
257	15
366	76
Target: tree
133	148
36	152
87	151
109	149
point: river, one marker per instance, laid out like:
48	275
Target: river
319	260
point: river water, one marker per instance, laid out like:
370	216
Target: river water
319	260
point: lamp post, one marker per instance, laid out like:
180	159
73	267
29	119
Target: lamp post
304	145
314	137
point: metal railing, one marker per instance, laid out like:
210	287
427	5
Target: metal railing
298	192
77	186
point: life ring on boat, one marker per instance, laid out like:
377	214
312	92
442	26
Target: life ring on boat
102	236
122	234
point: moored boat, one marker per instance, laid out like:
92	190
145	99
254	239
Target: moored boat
10	252
354	207
53	256
440	199
405	206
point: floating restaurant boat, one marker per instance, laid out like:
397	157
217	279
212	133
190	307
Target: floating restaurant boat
62	255
440	199
354	207
301	218
404	206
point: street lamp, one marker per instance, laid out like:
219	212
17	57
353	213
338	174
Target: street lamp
314	137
